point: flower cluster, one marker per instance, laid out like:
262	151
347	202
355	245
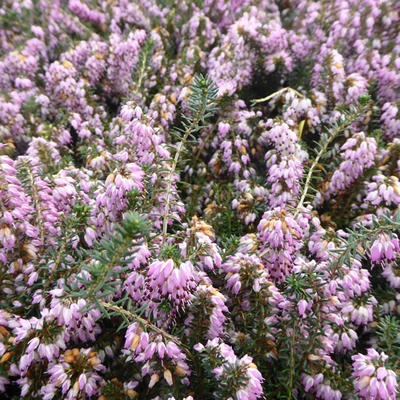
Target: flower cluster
228	368
372	379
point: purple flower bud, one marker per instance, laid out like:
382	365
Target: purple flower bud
32	345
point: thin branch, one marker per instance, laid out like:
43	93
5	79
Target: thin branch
203	144
36	200
311	170
347	122
291	362
143	63
279	92
144	322
181	146
60	255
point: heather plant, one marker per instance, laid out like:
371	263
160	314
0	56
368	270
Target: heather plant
199	199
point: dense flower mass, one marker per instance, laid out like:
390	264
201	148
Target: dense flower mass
199	199
372	379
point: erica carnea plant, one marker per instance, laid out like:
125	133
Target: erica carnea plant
199	199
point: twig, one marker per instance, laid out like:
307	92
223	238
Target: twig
291	363
347	122
203	145
281	91
144	322
36	200
182	143
311	170
59	256
143	64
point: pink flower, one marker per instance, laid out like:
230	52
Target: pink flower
371	378
32	345
302	306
